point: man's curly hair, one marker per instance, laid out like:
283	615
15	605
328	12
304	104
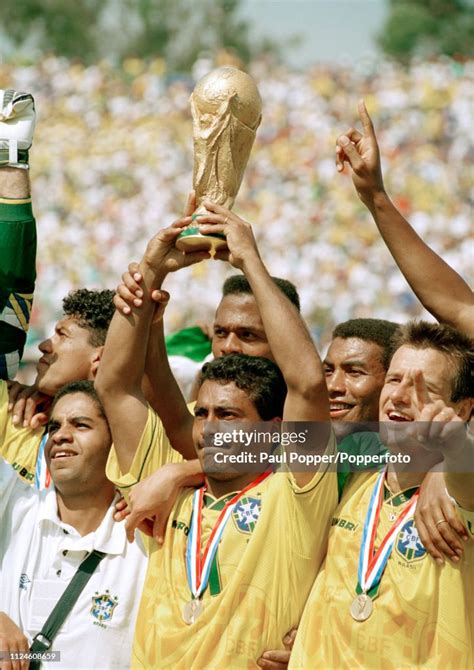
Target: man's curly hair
92	310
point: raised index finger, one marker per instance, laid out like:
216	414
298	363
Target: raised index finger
421	392
366	121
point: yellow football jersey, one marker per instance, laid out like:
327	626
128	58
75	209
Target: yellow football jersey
265	565
423	616
153	452
18	446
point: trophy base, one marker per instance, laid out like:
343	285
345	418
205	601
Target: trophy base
192	240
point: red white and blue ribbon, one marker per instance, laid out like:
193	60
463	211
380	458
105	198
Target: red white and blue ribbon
198	568
372	563
42	475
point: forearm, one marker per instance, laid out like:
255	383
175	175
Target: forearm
123	362
460	485
164	394
188	473
288	337
458	468
440	289
14	183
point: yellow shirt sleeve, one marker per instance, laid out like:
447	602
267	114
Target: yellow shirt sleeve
18	446
154	451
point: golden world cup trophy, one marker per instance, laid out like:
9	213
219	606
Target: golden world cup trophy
227	110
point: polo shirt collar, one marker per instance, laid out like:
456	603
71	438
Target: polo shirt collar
109	537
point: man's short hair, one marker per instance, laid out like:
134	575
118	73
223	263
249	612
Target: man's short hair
260	378
92	310
447	340
83	386
378	331
239	284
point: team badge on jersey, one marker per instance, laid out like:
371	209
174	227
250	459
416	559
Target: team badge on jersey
103	606
408	542
24	581
246	514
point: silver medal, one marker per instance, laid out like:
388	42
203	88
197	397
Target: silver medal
191	611
362	607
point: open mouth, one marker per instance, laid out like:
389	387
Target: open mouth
62	453
398	416
336	408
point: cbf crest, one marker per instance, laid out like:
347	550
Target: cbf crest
246	514
103	606
409	544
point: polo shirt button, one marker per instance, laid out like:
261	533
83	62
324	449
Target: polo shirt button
65	552
58	573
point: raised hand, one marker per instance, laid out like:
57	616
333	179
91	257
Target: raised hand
436	425
240	239
129	293
17	125
361	152
161	254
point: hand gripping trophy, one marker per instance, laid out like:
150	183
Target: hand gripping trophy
227	110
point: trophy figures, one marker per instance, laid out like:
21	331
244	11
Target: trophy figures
227	110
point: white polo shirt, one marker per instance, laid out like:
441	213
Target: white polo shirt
39	554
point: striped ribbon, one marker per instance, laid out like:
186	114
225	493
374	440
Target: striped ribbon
42	475
198	568
372	563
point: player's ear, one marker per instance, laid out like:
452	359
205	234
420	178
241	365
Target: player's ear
95	360
464	407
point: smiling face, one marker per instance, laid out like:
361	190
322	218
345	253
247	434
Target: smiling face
78	445
354	376
238	328
67	356
398	397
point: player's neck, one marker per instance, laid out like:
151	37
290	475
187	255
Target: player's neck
82	511
401	481
218	488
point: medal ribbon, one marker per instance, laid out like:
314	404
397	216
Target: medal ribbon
372	563
198	568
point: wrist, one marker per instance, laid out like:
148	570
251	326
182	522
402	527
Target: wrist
376	200
153	276
189	473
252	262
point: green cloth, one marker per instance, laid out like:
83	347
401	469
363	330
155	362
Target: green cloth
189	342
17	281
363	443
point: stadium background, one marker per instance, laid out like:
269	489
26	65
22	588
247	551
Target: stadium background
112	163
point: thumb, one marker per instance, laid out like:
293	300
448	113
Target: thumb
190	204
133	520
160	296
159	527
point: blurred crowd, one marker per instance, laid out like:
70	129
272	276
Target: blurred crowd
112	163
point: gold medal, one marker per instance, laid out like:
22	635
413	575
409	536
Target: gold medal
191	611
362	607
